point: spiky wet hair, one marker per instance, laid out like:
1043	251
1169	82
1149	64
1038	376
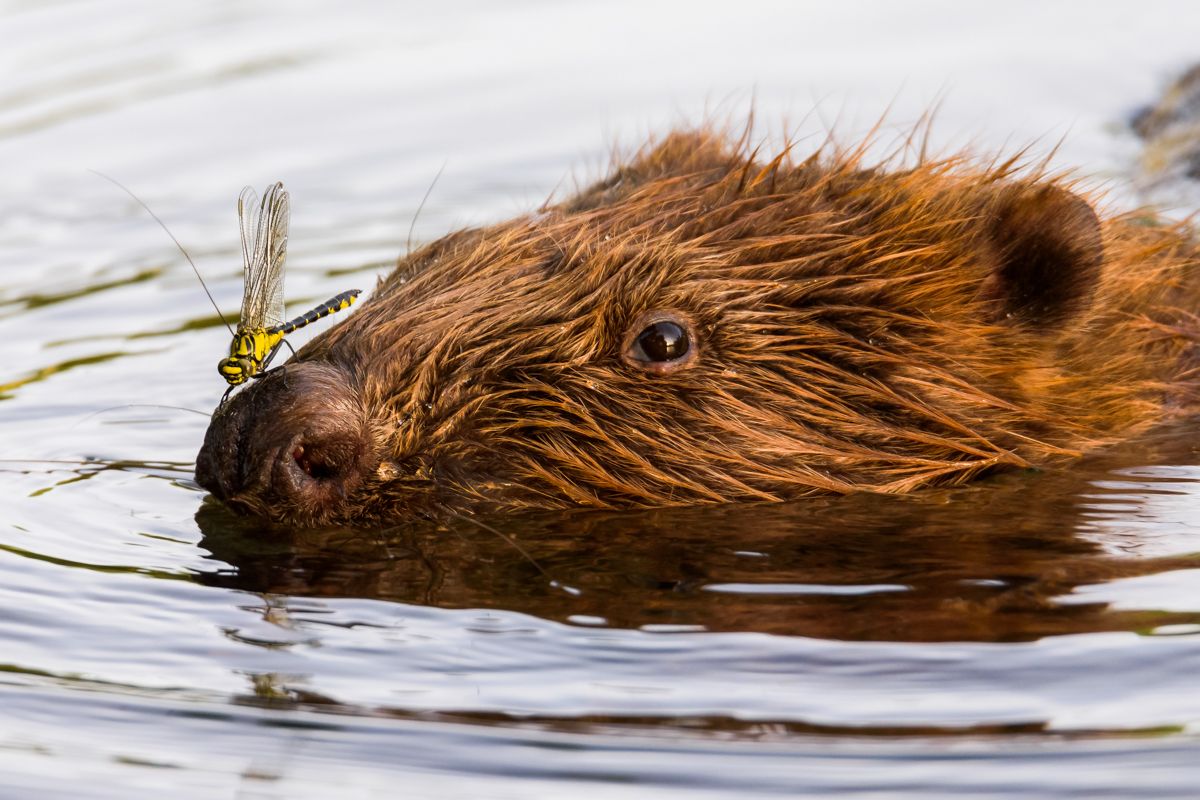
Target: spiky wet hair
853	327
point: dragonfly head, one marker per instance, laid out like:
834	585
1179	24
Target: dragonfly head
235	371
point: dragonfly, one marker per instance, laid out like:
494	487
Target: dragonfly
262	327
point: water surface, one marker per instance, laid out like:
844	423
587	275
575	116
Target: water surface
1035	635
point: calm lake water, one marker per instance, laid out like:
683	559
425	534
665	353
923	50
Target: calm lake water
1035	635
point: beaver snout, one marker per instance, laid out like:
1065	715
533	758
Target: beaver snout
292	445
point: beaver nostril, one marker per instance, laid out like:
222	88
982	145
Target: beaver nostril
312	464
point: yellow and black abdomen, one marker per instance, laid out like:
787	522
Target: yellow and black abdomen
330	306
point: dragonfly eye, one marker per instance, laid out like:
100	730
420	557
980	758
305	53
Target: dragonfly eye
233	370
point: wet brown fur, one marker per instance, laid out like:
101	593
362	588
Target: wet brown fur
859	328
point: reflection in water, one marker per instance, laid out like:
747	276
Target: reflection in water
83	470
35	300
992	563
6	389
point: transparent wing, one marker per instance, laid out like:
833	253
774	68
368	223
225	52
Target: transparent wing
248	213
264	228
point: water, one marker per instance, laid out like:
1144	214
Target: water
1035	635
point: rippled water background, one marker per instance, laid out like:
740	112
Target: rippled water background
1036	635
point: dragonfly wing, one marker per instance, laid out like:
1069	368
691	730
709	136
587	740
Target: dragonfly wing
276	221
264	228
248	212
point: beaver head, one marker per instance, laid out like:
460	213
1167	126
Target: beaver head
704	327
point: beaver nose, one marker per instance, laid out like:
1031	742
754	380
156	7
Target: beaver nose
291	446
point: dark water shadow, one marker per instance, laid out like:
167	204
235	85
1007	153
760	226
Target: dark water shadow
991	562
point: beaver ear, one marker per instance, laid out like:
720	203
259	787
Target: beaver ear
1046	254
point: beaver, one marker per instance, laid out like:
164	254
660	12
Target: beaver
707	326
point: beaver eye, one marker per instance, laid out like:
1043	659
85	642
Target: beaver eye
660	343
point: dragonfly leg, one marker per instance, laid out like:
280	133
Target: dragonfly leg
225	396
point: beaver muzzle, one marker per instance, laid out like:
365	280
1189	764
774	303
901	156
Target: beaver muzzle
293	445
